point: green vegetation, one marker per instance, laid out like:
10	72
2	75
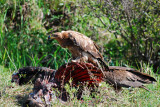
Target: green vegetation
127	32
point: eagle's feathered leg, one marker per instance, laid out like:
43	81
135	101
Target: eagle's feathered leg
85	57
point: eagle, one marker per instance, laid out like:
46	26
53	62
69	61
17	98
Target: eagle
82	48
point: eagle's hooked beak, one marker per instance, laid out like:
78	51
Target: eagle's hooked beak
49	37
53	36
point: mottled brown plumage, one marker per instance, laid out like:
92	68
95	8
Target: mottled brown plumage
117	76
81	74
83	49
126	77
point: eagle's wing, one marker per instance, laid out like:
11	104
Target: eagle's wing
84	43
127	77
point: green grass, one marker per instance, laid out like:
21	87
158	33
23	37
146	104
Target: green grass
24	25
12	95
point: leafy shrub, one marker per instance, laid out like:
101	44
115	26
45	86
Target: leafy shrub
126	31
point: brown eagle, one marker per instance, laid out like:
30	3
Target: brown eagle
82	48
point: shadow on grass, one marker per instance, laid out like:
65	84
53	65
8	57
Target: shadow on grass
26	101
22	100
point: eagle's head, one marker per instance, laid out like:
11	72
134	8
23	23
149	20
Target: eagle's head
59	35
56	35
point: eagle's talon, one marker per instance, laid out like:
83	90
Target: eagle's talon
77	63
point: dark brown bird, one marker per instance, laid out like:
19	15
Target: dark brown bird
127	77
83	49
26	74
82	74
118	77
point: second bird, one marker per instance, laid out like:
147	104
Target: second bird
82	48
